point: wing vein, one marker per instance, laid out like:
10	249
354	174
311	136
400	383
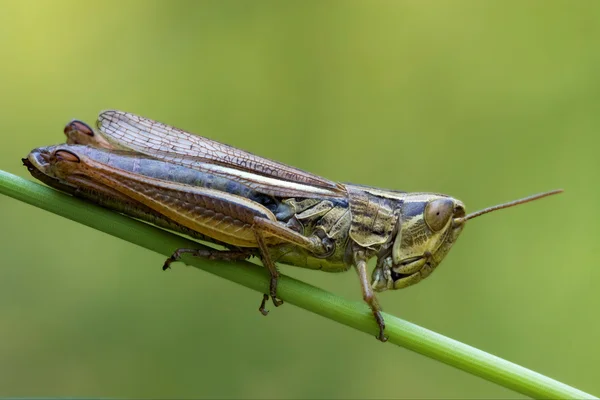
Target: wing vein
174	145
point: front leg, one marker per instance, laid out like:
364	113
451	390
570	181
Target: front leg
360	264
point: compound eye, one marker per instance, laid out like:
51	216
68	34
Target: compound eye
437	213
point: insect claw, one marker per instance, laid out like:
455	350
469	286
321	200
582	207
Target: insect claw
174	258
262	308
382	338
277	302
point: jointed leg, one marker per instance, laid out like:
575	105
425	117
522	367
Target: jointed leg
271	229
262	308
231	255
268	263
369	297
263	228
213	254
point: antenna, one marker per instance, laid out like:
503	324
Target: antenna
509	204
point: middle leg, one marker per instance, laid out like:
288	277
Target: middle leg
263	229
270	265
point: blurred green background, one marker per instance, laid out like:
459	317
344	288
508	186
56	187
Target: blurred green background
485	101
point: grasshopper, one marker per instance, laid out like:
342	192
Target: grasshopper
254	206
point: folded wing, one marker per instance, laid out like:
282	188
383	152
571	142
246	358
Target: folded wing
176	146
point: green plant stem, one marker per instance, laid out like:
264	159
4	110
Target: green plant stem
354	314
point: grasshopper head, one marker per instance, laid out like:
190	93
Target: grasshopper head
429	226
